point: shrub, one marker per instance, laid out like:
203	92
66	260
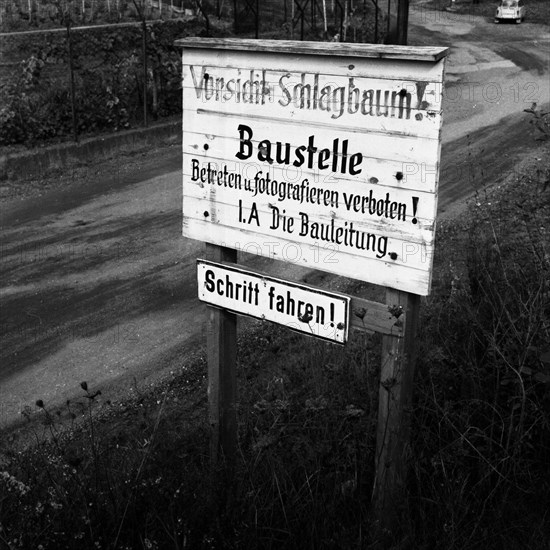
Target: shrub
108	77
483	418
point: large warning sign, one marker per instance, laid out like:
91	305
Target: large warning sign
325	155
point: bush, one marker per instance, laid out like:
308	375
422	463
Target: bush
108	75
482	433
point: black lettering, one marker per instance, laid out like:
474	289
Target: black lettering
209	281
243	153
299	155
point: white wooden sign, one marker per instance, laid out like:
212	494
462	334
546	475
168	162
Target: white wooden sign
325	155
296	306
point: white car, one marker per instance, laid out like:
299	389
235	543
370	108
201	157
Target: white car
510	10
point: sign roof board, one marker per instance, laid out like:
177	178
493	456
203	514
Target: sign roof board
299	307
324	155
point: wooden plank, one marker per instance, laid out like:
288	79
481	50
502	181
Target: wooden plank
325	256
394	408
207	74
377	51
399	69
221	339
350	201
378	105
348	241
369	316
375	172
222	141
428	128
285	222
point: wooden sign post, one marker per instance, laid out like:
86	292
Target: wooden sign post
394	406
221	343
324	155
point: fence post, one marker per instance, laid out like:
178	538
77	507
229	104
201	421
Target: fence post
222	379
144	53
71	75
257	18
200	7
394	409
398	21
292	19
402	21
375	21
140	8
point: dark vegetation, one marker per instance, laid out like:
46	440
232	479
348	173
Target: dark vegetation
136	474
108	75
23	15
106	65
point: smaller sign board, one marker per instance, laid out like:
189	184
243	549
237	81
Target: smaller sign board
299	307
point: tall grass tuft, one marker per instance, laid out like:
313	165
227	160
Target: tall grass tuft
482	433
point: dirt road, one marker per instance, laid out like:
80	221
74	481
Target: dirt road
493	73
98	284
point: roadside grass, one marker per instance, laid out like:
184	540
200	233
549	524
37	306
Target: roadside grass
136	474
481	444
538	11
